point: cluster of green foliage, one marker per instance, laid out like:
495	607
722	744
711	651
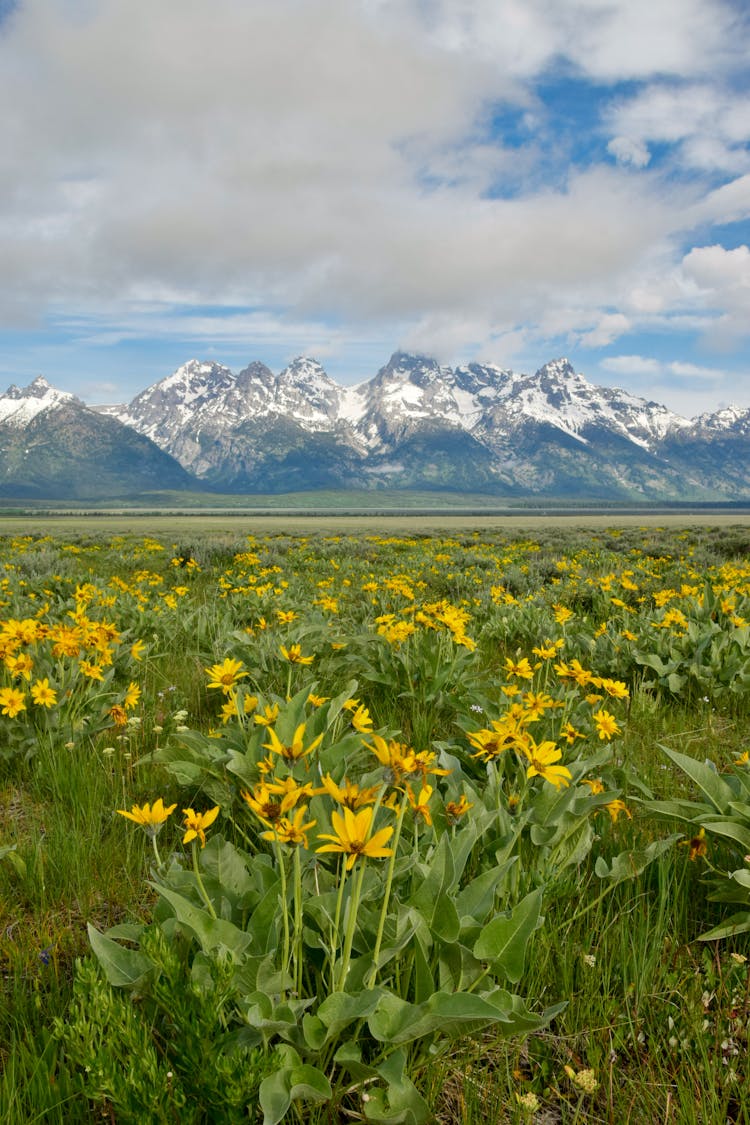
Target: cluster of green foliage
525	921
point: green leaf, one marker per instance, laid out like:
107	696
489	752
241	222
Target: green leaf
478	897
227	866
341	1008
122	967
212	933
729	828
400	1103
449	1015
737	924
628	864
704	775
290	1084
503	940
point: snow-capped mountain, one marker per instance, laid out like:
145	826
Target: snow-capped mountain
52	446
416	424
19	406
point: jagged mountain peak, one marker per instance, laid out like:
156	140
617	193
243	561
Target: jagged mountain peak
20	405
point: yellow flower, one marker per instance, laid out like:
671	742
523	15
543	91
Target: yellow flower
397	758
542	757
136	650
361	720
197	823
352	837
269	716
596	785
12	701
270	806
349	794
225	675
294	831
317	700
132	695
296	750
42	694
118	715
614	808
286	616
151	819
420	804
294	654
93	671
697	845
454	810
606	724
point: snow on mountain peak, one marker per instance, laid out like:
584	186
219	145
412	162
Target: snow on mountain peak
20	405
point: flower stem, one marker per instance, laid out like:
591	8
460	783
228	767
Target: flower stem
351	924
370	982
156	851
284	911
337	921
298	921
199	881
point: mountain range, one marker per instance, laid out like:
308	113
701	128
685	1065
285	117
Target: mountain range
416	424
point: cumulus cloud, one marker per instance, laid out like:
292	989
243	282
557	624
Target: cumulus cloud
326	162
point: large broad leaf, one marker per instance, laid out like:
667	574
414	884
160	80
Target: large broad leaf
212	933
737	924
477	898
400	1103
290	1084
704	775
122	967
341	1008
740	833
503	941
627	865
227	866
449	1015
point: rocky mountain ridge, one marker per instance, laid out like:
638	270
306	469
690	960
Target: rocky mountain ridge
415	424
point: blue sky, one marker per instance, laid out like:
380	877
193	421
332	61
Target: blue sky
501	180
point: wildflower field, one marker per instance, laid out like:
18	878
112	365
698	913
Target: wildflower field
375	827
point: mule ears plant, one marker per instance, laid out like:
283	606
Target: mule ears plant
720	833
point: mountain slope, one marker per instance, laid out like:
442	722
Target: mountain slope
52	446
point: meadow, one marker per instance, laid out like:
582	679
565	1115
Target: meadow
374	821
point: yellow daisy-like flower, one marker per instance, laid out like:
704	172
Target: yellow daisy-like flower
150	817
296	749
42	694
696	844
614	808
270	806
225	675
606	724
420	804
542	758
197	823
136	650
454	810
361	720
294	654
269	715
92	671
349	795
291	831
12	701
132	696
352	837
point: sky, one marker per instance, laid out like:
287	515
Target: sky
477	180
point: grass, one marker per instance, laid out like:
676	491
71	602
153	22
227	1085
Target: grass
659	1017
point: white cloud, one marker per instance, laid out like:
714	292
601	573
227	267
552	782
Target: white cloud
330	161
609	328
628	151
